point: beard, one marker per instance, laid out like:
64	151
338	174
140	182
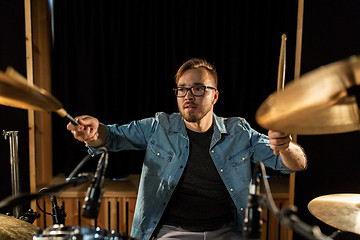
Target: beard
196	115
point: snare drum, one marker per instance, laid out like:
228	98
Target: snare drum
61	232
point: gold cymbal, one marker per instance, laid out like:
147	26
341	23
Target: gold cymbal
15	91
317	103
341	211
12	228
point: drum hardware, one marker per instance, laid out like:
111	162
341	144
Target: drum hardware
90	208
336	233
30	215
92	205
287	215
26	197
14	162
59	231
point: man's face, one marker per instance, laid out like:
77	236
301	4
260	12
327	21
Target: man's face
194	108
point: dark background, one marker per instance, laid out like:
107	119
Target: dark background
12	53
116	60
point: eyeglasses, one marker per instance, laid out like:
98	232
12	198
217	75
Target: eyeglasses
197	91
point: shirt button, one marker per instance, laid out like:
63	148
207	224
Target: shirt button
172	186
241	209
231	189
158	154
187	146
243	158
221	170
181	166
212	151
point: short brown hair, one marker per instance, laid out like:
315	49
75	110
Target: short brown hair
197	63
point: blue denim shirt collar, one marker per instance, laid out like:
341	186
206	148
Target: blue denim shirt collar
177	124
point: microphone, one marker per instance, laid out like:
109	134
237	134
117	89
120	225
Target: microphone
253	213
92	202
58	214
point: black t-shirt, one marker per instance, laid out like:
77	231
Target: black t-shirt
200	201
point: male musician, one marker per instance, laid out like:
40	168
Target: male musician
196	172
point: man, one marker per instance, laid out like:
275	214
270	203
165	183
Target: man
197	167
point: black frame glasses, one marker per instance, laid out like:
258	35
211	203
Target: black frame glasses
197	91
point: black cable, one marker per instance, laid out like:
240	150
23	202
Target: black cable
83	162
79	166
38	205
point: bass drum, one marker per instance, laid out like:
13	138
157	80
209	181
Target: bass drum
61	232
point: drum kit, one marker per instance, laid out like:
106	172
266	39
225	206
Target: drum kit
13	229
319	102
15	91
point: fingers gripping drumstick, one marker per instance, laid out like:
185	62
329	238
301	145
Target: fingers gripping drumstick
62	112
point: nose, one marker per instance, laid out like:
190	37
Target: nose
189	94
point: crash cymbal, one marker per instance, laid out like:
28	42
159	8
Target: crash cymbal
317	103
15	91
12	228
341	211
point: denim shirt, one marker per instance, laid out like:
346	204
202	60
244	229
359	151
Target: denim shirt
234	145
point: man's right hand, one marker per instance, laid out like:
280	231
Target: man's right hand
87	131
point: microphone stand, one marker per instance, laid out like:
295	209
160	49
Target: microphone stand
92	202
253	213
25	197
14	162
287	215
29	215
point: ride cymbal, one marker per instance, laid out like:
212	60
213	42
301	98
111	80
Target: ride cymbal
341	211
12	228
317	103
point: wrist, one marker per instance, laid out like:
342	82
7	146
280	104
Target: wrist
100	136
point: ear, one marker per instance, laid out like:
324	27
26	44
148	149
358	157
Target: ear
216	97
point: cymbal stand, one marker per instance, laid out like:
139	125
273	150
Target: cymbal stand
14	162
29	215
287	216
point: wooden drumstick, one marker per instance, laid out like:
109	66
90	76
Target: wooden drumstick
281	69
62	112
